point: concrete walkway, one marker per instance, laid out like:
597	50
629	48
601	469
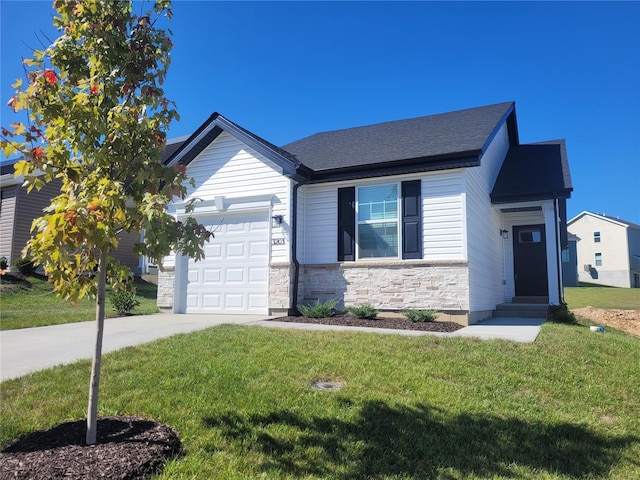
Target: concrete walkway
523	330
31	349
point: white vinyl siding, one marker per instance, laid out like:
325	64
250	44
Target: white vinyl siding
484	243
321	224
442	206
443	216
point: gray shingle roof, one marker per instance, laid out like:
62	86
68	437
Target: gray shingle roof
434	137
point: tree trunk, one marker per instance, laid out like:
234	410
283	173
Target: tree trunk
92	409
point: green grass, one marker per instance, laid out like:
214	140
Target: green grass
564	407
34	304
602	297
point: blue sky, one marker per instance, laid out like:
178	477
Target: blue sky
285	70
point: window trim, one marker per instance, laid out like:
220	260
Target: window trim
598	259
597	238
409	222
397	220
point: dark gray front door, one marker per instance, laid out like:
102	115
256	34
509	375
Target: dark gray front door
530	260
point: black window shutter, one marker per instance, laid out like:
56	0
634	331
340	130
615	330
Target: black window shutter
346	224
411	220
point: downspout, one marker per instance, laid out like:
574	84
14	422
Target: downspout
558	250
294	244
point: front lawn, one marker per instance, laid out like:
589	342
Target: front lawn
32	303
564	407
602	297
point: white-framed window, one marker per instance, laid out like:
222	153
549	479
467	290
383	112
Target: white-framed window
596	237
378	229
598	259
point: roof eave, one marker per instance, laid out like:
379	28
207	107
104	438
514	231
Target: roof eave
396	168
530	197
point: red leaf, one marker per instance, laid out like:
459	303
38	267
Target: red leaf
38	153
50	75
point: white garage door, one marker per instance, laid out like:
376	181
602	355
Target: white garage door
233	277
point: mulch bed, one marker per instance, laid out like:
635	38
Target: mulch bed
395	323
127	448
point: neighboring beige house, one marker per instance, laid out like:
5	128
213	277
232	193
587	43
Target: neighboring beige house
608	250
18	209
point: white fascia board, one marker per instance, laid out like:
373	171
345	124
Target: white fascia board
601	217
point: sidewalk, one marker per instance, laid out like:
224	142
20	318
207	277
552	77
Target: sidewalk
31	349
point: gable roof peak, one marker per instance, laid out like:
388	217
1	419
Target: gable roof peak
605	217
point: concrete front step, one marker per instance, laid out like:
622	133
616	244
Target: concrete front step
521	310
530	300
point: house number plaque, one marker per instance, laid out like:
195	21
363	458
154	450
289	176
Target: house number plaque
278	241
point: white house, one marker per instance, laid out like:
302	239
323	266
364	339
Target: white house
447	212
608	250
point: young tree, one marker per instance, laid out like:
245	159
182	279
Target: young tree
96	118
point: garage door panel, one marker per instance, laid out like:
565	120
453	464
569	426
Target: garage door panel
234	276
212	276
211	301
258	274
257	301
194	275
235	249
192	300
258	249
213	251
234	301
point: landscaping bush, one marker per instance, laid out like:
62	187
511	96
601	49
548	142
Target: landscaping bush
365	311
561	314
319	309
123	301
420	315
25	265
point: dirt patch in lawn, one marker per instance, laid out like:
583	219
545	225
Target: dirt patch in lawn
390	322
127	448
626	320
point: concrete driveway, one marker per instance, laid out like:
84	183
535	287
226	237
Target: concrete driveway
27	350
31	349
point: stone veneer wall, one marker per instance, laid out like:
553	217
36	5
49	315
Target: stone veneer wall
165	287
440	286
280	288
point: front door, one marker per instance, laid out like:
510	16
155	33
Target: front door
530	260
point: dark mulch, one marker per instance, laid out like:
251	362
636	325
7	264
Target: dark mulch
127	448
396	323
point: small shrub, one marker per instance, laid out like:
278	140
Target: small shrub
123	301
319	309
365	311
420	315
25	265
561	314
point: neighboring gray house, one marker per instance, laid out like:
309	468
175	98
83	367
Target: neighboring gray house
18	209
447	212
570	262
608	250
